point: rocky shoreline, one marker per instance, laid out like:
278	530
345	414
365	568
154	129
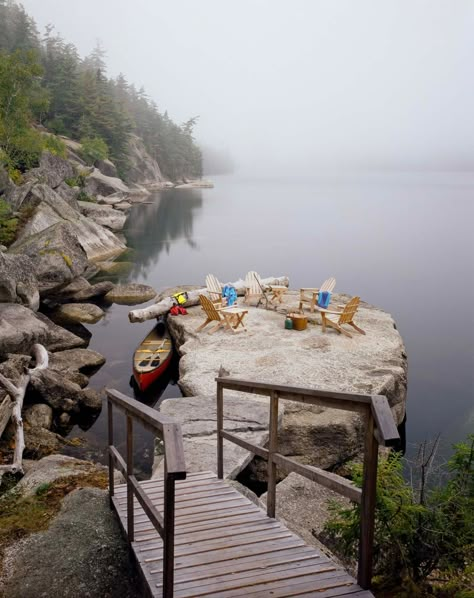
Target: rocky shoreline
70	216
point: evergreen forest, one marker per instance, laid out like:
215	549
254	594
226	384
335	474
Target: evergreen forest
44	81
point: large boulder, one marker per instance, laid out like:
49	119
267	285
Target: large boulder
52	170
85	548
51	469
48	208
18	282
373	364
246	417
40	415
82	290
131	294
100	184
142	167
69	194
107	167
56	253
304	506
82	360
51	387
20	328
40	442
87	313
102	214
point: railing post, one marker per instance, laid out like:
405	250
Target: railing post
272	449
168	540
130	522
367	518
110	426
220	427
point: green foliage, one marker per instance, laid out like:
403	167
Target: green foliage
55	146
46	81
93	149
83	196
418	531
8	224
42	488
19	98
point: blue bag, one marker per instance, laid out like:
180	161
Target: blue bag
324	297
229	293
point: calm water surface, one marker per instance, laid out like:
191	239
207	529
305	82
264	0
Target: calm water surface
401	242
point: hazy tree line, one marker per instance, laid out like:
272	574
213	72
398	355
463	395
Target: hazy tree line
43	80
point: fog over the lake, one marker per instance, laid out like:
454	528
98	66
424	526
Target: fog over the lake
296	86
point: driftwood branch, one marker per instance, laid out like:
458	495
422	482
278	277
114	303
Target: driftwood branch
163	306
17	394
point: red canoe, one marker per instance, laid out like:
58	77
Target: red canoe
152	356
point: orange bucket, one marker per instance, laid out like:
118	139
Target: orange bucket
300	321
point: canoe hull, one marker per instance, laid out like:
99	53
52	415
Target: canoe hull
152	357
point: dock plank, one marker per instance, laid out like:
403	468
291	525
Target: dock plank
226	546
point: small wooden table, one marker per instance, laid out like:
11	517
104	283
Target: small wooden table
277	293
233	317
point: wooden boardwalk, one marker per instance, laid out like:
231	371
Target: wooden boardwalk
226	546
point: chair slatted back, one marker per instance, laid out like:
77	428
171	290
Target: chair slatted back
251	281
349	311
328	285
213	286
209	308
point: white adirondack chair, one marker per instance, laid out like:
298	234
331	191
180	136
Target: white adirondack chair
214	289
312	297
253	287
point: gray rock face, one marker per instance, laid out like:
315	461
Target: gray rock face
303	506
130	294
103	215
20	328
143	168
107	167
123	206
56	253
40	415
82	360
40	442
85	548
51	209
52	388
372	364
18	282
51	469
88	313
93	291
100	184
69	194
52	170
247	417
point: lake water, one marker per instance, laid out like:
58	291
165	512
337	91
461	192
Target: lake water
403	242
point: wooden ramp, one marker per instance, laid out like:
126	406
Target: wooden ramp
226	546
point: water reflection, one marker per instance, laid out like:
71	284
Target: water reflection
152	227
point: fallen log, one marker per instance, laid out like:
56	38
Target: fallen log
163	306
17	394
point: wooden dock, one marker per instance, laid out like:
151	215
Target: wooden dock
227	546
194	535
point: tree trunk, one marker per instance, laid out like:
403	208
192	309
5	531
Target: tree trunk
163	306
17	393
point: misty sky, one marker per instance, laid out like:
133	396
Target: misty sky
297	85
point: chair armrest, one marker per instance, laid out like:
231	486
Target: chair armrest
309	289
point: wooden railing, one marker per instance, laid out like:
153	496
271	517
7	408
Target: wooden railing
175	469
380	429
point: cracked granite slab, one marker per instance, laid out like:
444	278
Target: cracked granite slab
245	417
